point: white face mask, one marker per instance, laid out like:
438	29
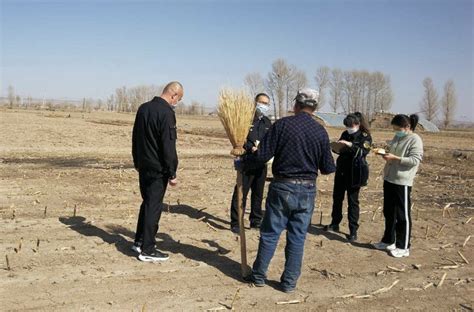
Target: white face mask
262	109
352	130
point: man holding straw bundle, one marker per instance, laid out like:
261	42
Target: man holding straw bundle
300	147
253	179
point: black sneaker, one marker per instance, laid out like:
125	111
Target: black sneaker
255	225
332	227
352	238
154	256
137	247
286	289
235	229
250	279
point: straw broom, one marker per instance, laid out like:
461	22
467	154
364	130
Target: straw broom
236	111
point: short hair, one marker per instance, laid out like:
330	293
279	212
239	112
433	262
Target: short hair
173	86
261	94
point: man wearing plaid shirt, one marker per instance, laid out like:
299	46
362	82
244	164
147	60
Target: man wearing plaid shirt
300	147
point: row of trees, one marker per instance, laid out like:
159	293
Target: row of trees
14	100
123	100
432	106
129	99
342	90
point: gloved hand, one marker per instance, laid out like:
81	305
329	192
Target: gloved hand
238	164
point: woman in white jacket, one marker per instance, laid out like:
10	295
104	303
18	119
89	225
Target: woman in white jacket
402	162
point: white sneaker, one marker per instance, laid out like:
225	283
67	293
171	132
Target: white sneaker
383	246
137	247
398	253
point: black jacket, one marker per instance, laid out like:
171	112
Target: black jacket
154	138
345	161
257	132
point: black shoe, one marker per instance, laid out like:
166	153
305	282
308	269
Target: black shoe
137	247
332	227
235	229
251	279
286	289
352	237
154	256
255	225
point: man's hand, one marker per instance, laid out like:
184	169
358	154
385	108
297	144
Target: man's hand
345	142
389	157
238	164
173	182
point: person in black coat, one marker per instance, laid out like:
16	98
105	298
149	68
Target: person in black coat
254	176
155	159
351	173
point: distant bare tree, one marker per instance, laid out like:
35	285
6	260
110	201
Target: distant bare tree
429	104
122	99
195	108
350	91
278	80
254	82
99	105
322	80
365	92
299	80
448	103
181	108
29	100
270	88
381	92
137	96
11	96
111	103
296	80
335	89
87	105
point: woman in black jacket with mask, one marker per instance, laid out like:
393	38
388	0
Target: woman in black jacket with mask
352	172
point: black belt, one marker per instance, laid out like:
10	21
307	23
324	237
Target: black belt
295	181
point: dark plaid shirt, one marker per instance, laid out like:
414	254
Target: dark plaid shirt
300	146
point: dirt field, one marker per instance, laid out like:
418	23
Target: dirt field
69	201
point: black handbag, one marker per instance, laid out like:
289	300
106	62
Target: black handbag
360	169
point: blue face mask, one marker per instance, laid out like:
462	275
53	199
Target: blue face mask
262	109
400	134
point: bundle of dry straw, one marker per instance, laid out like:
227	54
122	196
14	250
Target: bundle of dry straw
236	110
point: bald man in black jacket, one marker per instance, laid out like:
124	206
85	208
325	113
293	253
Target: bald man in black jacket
155	158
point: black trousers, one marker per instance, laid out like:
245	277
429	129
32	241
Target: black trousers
255	181
152	188
341	186
397	213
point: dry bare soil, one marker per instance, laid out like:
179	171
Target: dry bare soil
68	208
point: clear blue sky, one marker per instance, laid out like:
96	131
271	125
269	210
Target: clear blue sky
78	49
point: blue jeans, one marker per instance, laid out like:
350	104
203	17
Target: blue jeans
289	206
